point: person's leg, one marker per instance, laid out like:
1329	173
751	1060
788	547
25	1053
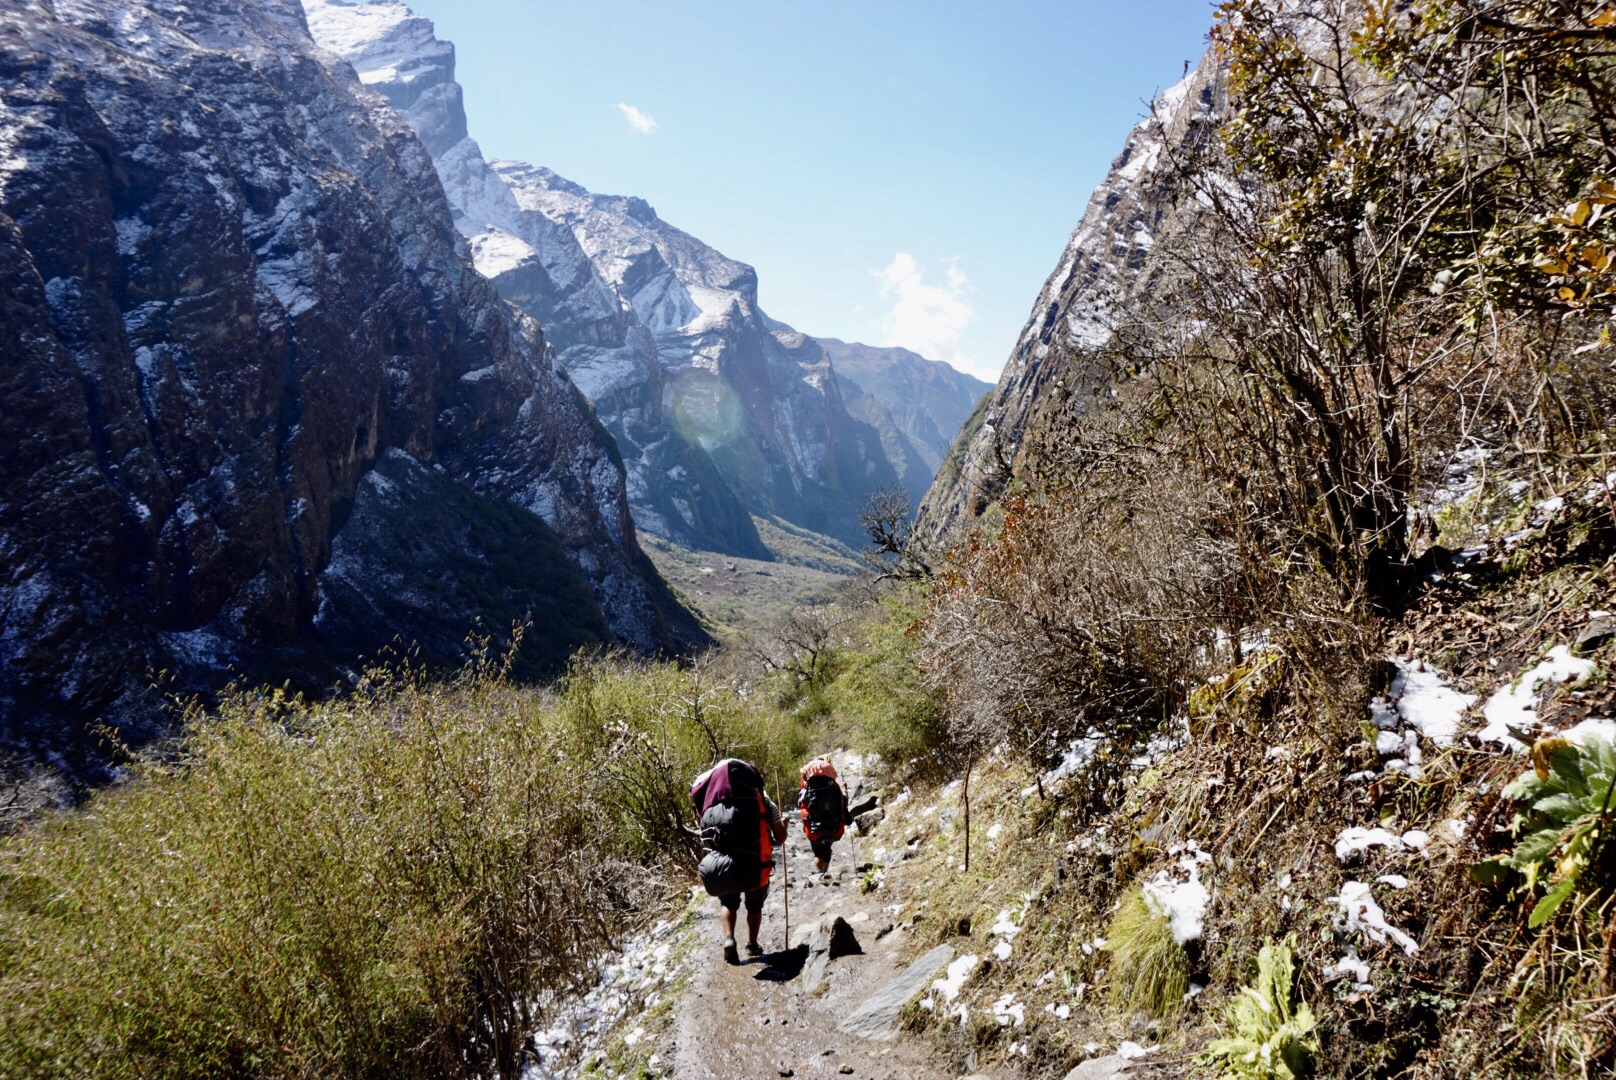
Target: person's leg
822	855
754	918
727	906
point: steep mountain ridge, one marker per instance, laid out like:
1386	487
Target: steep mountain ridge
721	412
918	405
232	288
1108	265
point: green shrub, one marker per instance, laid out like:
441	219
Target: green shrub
1561	831
879	695
388	885
647	730
1149	970
1272	1035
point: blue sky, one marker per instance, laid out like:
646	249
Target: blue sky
899	172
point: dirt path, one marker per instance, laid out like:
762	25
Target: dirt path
756	1020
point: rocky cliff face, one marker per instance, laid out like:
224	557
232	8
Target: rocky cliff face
1108	266
720	411
918	405
249	373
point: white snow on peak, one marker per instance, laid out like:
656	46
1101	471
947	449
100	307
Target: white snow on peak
385	41
496	252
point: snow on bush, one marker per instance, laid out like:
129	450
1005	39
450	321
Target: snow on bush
1359	912
1180	900
1350	967
1356	840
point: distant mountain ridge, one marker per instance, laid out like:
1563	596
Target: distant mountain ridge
720	411
918	405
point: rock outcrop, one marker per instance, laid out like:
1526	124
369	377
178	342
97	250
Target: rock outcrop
261	412
1110	263
720	411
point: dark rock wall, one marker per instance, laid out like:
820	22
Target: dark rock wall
231	285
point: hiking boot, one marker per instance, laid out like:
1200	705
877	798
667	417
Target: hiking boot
753	949
731	954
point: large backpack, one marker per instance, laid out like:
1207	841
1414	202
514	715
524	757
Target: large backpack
730	801
824	808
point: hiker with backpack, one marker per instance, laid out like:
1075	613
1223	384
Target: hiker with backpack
822	802
740	827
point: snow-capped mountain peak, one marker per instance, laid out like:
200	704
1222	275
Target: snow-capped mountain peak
720	412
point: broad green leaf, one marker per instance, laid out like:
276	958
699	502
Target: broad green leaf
1550	903
1537	847
1564	807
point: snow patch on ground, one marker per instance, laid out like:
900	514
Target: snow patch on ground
1359	912
1007	926
631	979
953	980
1008	1011
1511	713
1426	701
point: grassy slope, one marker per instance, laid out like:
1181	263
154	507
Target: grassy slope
738	596
1267	795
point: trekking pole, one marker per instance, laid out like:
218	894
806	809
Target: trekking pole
785	859
852	843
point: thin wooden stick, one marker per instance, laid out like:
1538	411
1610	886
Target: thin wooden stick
785	859
969	761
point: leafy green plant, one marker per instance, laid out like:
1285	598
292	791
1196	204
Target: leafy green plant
1149	970
1272	1036
1560	832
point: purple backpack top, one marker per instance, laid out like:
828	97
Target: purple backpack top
724	781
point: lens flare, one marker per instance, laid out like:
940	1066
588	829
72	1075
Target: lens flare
705	408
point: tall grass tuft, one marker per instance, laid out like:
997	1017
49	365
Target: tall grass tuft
1149	970
390	885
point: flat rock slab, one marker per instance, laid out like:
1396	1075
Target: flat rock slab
1104	1068
877	1018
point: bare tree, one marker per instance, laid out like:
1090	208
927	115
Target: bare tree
896	552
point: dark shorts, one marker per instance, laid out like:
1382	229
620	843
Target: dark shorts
821	848
754	900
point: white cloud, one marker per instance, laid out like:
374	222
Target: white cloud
927	318
636	119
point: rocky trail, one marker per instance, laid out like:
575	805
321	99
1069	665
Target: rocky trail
828	1002
809	1010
